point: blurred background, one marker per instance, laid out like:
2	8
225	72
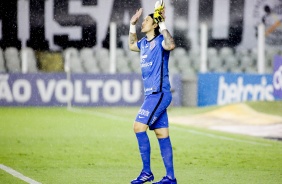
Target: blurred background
75	52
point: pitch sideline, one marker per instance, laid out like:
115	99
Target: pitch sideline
18	175
114	117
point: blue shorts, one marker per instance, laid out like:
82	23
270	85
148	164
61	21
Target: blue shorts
153	110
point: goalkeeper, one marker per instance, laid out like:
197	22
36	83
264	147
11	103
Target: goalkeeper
154	50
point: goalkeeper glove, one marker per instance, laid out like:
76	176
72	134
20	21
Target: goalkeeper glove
158	17
159	7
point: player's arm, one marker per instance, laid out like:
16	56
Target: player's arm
168	42
132	42
132	38
159	17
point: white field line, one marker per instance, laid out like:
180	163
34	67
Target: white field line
100	114
119	118
219	136
18	175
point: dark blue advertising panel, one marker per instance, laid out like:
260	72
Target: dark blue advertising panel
221	89
78	90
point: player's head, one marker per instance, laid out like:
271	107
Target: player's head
267	9
149	25
157	29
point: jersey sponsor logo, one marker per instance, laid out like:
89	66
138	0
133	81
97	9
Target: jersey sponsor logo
144	56
143	112
144	65
148	89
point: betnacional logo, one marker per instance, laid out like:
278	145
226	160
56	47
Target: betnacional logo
270	14
239	91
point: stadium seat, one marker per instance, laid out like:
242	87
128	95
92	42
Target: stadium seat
251	70
134	62
246	62
215	64
189	73
71	57
120	52
254	53
225	52
31	59
89	62
2	62
132	55
103	58
123	63
172	66
12	59
231	63
241	53
179	52
212	52
183	63
195	56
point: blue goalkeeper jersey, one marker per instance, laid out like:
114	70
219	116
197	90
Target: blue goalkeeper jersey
154	65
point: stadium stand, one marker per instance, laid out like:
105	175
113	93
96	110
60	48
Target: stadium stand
12	59
89	60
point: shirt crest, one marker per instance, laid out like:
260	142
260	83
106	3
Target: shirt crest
152	44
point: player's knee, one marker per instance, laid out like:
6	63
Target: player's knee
162	133
139	127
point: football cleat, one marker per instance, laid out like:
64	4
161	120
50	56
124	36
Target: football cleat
143	178
166	180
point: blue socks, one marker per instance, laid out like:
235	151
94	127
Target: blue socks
166	152
145	150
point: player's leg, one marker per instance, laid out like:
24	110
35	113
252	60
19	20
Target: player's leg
150	110
167	155
160	127
145	153
144	145
140	129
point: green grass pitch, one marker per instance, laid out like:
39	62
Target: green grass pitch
98	146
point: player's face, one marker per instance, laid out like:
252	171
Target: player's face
148	25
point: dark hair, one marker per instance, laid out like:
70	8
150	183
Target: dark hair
267	9
157	29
